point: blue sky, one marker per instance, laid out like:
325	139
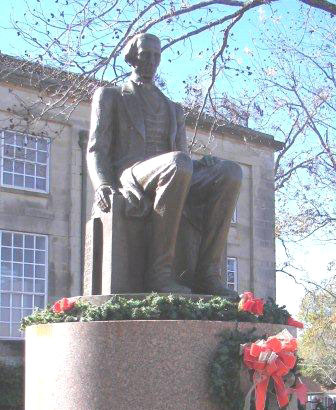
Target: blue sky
313	256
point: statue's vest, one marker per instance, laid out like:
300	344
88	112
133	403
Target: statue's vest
156	116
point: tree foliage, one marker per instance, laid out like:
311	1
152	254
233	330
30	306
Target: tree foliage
318	343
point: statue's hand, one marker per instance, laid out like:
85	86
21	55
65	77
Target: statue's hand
209	160
102	197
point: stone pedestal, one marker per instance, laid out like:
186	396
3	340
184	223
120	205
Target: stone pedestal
124	365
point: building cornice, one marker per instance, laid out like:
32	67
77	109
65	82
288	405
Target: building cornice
238	132
40	77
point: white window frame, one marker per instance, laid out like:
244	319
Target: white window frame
25	136
235	272
234	216
12	292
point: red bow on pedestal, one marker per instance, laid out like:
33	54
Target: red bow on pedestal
248	303
295	323
63	305
274	358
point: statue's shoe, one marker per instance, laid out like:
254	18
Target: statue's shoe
213	285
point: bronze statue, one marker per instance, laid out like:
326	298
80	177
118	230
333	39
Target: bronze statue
138	148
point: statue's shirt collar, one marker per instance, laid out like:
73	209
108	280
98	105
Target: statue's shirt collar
139	83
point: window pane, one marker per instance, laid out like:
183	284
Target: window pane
6	254
28	301
8	165
28	285
17	269
41	184
17	255
4	315
39	256
7	179
15	330
39	286
39	301
19	153
39	271
17	285
41	170
231	264
19	167
9	151
16	315
20	140
31	155
40	242
4	330
230	286
30	168
6	268
42	157
5	283
28	270
18	180
16	300
42	144
230	277
18	240
27	312
31	142
9	137
4	299
29	256
29	241
30	182
6	239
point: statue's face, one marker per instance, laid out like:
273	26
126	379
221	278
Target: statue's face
148	58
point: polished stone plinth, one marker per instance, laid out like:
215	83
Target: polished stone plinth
124	365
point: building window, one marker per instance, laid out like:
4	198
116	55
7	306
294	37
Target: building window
232	273
23	279
234	216
24	161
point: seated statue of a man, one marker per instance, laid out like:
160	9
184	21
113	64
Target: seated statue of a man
138	148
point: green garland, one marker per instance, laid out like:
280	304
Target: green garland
156	307
225	368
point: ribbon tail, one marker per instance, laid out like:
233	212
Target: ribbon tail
292	405
247	404
281	391
261	390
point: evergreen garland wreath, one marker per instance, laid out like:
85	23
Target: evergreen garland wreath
156	307
225	369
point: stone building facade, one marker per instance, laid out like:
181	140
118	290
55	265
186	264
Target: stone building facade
46	199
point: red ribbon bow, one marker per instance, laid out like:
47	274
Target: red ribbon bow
274	358
301	391
295	323
63	305
249	303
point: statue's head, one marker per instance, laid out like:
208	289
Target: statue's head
143	53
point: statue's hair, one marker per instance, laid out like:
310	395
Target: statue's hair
131	48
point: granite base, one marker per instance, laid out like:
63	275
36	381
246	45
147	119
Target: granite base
125	365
